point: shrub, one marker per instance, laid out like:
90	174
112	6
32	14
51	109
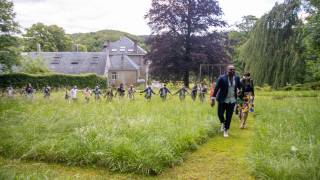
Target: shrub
19	80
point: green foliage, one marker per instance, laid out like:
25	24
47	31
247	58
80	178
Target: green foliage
51	38
126	136
273	52
9	52
93	41
286	142
20	80
33	66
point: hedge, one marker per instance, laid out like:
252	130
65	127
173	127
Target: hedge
20	80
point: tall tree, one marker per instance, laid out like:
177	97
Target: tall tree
273	52
9	52
183	22
312	41
50	38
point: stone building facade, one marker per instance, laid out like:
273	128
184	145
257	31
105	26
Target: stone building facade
122	61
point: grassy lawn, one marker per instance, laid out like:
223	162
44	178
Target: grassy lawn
129	140
138	136
286	143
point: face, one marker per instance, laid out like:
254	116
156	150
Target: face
231	70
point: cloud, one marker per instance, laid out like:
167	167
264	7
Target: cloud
125	15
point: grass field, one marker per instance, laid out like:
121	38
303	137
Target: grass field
126	136
286	143
42	139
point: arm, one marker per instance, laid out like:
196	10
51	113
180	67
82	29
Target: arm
218	86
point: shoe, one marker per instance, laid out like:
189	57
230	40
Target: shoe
222	127
225	133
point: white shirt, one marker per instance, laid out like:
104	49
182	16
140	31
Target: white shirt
73	93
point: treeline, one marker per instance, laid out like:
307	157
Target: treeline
20	80
280	48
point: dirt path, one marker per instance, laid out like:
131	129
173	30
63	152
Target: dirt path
219	158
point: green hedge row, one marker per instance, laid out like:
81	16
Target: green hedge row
20	80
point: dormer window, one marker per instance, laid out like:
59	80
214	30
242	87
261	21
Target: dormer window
74	63
130	50
114	50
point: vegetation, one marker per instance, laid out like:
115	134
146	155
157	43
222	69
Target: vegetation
184	38
20	80
51	38
286	141
33	66
9	52
94	41
126	136
272	53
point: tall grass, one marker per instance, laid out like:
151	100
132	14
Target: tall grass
286	144
126	136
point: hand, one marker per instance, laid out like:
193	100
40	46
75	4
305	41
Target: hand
212	103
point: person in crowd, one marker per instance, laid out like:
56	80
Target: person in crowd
67	96
182	92
109	94
10	91
227	86
248	89
245	106
87	93
73	93
163	92
148	93
97	93
46	91
131	92
194	92
29	91
202	92
120	90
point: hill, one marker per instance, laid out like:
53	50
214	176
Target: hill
93	41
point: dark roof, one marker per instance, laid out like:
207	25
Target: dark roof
74	62
127	46
122	62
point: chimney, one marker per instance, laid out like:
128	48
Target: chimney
106	46
135	46
38	47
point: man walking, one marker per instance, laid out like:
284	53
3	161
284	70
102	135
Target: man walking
226	93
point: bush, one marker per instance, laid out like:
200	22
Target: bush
19	80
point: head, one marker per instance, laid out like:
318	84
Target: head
246	99
231	70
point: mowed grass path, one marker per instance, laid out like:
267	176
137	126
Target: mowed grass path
219	158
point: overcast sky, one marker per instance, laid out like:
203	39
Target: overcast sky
124	15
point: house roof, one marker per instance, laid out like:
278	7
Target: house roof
125	46
122	62
73	62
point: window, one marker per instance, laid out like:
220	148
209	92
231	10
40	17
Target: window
114	50
130	50
74	62
113	75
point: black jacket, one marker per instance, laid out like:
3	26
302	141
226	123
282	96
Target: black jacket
221	89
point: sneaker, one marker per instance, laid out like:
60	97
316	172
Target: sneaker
222	127
225	133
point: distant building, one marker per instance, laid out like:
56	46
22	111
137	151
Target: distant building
122	61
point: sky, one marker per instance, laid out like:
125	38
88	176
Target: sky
125	15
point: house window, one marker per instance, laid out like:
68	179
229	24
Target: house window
114	76
74	62
130	50
114	50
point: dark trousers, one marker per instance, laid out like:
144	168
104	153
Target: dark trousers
228	109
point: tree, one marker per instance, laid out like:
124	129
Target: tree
247	23
33	66
312	41
273	52
50	38
183	22
9	52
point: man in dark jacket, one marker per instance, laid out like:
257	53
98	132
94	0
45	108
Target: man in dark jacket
225	93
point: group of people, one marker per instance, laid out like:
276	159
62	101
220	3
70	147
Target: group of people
232	93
